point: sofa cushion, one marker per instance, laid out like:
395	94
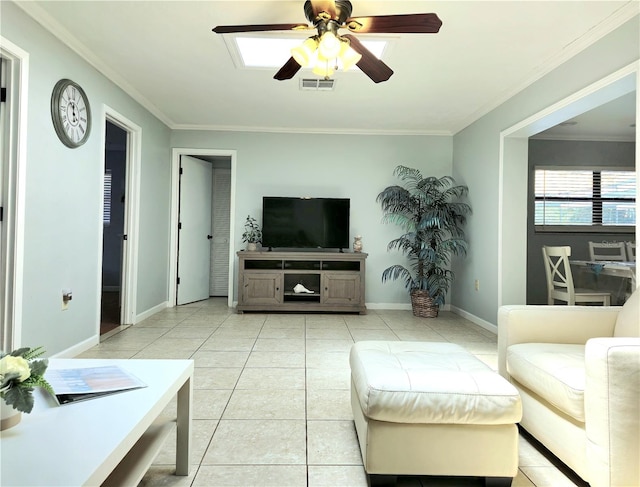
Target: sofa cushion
554	371
628	322
422	382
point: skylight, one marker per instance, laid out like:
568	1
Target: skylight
273	52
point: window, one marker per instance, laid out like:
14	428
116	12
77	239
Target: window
106	212
594	199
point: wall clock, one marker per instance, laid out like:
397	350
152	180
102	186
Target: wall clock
70	113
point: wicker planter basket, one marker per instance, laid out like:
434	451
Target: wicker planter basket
422	305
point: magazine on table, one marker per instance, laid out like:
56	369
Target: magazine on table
72	385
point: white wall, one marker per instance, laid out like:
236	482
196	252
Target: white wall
345	166
64	196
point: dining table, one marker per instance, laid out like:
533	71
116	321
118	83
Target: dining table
626	270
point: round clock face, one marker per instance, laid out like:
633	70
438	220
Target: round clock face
70	113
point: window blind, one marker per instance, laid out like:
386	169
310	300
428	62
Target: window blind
585	197
106	211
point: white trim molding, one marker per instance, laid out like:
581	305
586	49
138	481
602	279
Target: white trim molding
512	281
175	200
130	248
15	186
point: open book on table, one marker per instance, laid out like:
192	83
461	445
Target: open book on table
72	385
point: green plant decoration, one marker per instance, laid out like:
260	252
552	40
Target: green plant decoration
20	372
252	232
429	212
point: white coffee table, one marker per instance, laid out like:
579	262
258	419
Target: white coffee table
110	440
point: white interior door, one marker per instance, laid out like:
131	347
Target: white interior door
194	236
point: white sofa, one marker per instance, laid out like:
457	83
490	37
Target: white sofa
577	369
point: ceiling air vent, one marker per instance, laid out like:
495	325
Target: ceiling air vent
317	84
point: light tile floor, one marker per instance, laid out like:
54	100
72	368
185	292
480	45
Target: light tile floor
271	398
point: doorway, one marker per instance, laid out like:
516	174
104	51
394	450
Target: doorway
119	257
14	69
220	223
221	282
4	171
203	228
513	169
113	221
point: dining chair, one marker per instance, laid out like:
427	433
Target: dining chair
607	251
631	251
560	280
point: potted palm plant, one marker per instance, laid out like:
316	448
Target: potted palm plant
429	212
252	235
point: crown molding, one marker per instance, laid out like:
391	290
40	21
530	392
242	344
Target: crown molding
622	15
310	130
50	24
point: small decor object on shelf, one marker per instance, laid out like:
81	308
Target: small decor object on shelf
252	234
20	372
357	243
299	288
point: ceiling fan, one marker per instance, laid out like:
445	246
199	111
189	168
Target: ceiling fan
323	49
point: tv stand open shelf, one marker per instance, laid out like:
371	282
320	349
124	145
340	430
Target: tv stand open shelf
266	281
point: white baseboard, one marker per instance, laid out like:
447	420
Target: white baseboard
399	306
447	307
78	348
151	311
474	319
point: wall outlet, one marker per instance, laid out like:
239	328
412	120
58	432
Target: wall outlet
476	285
67	295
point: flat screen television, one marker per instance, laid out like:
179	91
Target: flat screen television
305	223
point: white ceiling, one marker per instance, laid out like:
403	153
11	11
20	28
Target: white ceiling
164	54
614	121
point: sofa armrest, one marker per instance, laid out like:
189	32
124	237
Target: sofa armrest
612	410
551	324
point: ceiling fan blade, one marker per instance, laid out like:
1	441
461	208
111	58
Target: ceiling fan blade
328	6
287	71
395	24
369	64
228	29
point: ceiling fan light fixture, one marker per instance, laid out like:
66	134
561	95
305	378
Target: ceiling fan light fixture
348	56
304	53
329	46
327	17
324	69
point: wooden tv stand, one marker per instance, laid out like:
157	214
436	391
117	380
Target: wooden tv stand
266	281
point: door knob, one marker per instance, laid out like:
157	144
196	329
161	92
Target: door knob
209	237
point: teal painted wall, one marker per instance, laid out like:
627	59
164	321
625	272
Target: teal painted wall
64	193
345	166
476	151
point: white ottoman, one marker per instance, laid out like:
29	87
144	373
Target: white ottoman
428	408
